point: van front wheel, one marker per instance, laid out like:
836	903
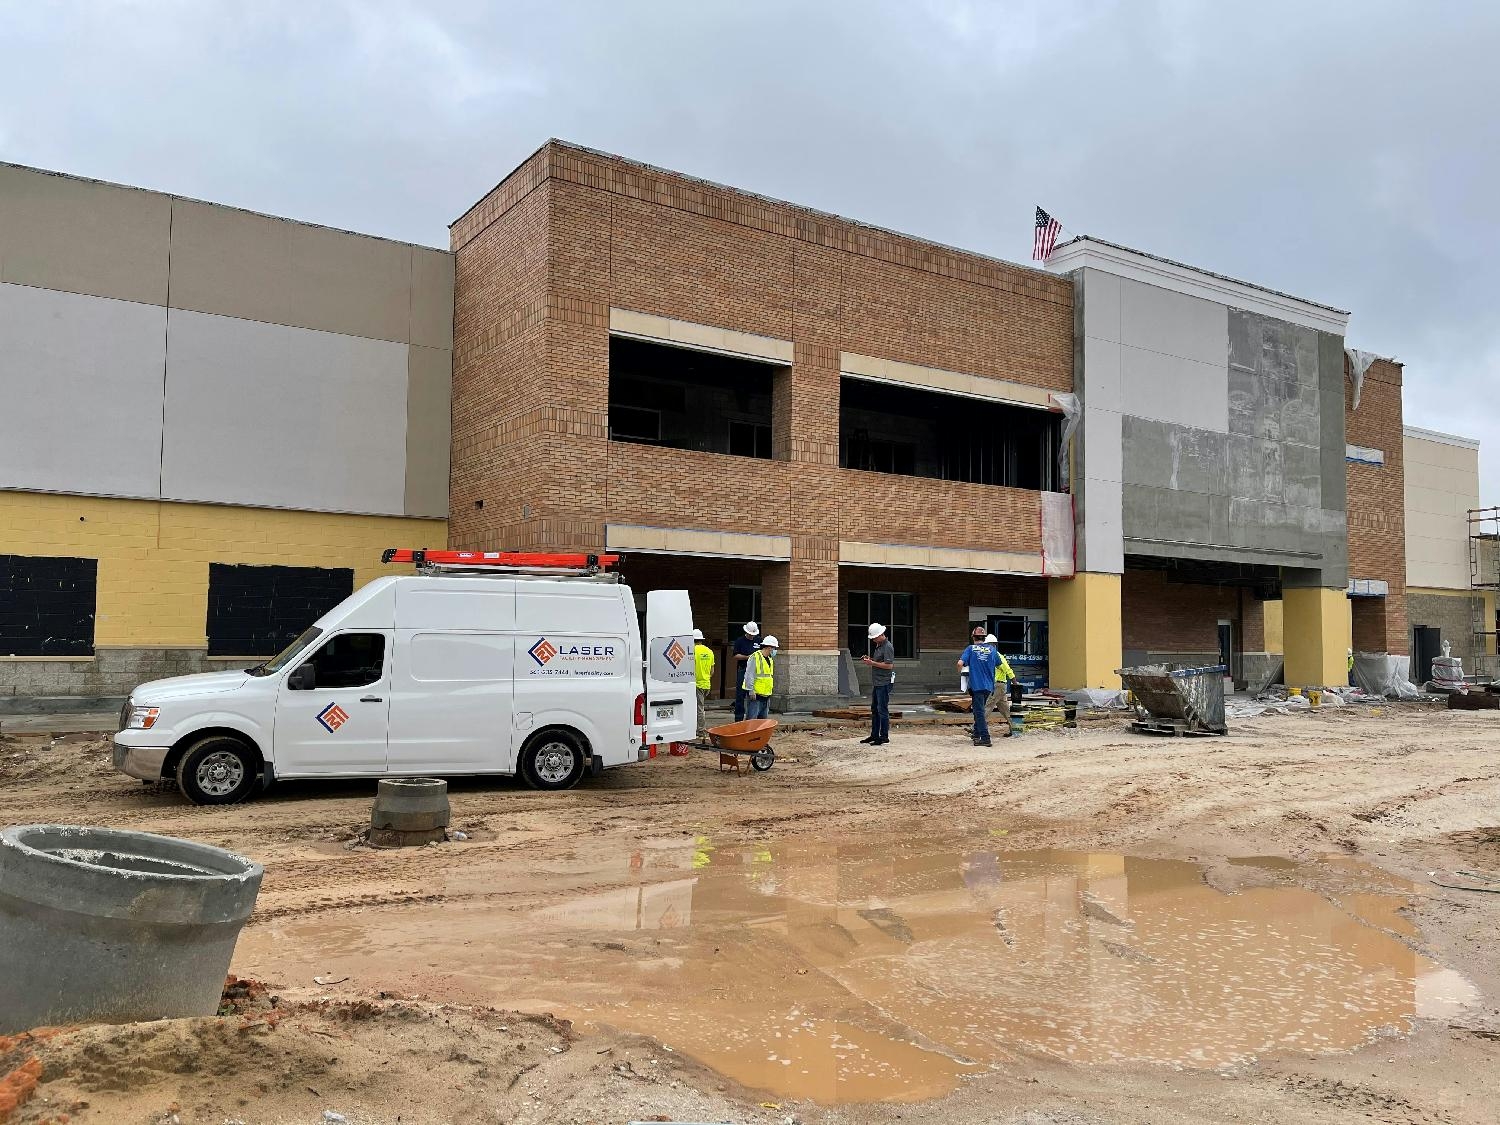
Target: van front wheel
552	761
217	771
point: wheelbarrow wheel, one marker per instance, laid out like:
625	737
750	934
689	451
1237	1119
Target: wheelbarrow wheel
762	760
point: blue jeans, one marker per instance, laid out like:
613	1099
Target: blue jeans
880	712
979	703
739	704
758	707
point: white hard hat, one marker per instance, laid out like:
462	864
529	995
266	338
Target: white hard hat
752	629
769	642
989	639
875	629
697	634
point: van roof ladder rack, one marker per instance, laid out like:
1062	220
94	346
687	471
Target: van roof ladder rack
500	562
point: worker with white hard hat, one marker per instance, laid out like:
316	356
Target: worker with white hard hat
703	669
744	648
760	679
1005	681
881	661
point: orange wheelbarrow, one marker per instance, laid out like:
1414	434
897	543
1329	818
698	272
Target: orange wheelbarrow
748	740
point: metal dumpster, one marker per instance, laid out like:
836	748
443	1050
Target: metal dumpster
1182	701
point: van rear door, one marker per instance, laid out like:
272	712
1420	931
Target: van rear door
671	702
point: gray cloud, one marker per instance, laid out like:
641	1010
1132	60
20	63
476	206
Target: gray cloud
1346	152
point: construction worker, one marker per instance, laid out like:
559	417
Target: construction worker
978	662
744	648
881	661
760	679
703	666
1005	681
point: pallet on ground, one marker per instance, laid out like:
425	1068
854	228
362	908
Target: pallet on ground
1172	727
849	713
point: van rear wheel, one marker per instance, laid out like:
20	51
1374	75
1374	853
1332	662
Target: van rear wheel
552	761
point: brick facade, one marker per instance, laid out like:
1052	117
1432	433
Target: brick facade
572	233
1377	509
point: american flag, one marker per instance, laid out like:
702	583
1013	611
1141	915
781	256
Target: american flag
1047	229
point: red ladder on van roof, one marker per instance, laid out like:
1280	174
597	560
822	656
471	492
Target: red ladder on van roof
500	559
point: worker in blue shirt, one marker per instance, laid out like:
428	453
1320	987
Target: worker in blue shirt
979	661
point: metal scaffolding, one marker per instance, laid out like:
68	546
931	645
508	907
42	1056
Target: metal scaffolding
1484	566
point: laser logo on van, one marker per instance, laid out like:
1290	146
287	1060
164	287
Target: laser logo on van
332	717
674	653
543	651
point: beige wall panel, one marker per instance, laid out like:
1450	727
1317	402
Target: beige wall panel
239	264
349	283
83	237
429	391
431	298
82	393
283	417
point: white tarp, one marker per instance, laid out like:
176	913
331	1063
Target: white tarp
1072	412
1379	673
1057	535
1359	363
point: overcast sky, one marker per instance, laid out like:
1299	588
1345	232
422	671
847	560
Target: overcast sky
1344	152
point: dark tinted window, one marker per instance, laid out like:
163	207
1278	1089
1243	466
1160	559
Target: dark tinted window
350	660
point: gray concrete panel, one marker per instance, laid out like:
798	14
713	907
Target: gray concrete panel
1160	320
1253	468
1331	440
77	236
235	263
431	298
1256	404
1302	476
274	416
1102	308
1244	340
83	392
429	387
1301	419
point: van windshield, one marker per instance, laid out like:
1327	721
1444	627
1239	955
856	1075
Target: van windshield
288	654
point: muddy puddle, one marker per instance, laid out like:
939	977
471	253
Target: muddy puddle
889	969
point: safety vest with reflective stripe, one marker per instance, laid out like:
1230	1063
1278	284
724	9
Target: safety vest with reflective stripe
703	659
760	673
1004	672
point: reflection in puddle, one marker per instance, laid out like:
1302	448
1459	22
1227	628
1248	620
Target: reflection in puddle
885	971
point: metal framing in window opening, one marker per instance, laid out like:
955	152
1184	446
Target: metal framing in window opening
897	612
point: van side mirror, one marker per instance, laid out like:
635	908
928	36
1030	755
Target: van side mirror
303	678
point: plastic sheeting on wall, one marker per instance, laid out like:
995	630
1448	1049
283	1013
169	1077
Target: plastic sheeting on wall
1379	673
1057	535
1072	412
1359	363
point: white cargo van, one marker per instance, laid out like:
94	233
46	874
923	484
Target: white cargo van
478	664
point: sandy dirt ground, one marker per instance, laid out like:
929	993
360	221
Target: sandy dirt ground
509	977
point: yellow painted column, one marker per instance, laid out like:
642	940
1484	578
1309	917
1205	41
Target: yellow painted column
1316	628
1083	626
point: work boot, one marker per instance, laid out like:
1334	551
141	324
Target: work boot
982	742
867	741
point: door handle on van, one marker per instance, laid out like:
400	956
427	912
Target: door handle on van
666	703
371	699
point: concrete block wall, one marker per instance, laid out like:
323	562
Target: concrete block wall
152	579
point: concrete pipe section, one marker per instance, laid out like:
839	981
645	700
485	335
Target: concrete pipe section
409	811
99	925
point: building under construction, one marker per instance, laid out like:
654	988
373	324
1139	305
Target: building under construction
803	419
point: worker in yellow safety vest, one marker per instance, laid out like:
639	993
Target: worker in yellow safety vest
703	666
760	679
1004	676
